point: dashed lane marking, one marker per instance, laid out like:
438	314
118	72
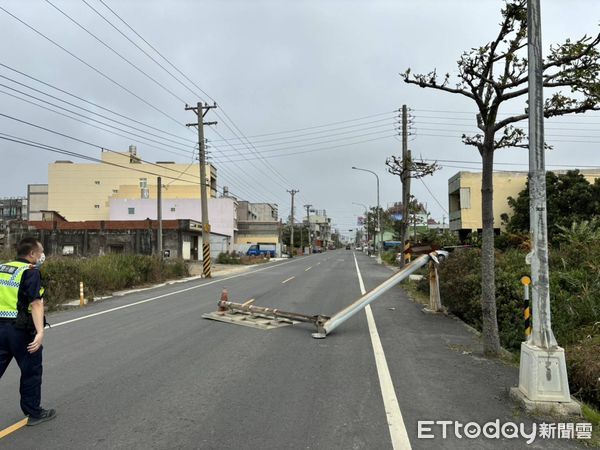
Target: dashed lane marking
289	279
307	269
158	297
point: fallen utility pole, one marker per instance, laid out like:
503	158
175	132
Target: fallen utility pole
340	317
228	311
272	312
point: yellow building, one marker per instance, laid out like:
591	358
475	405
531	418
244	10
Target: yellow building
82	191
464	197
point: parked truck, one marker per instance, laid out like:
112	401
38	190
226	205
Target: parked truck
262	249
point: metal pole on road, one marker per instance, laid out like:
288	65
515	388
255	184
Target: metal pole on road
340	317
378	214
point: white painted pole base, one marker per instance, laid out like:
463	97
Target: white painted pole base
543	374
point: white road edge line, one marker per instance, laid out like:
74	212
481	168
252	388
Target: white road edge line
166	295
395	421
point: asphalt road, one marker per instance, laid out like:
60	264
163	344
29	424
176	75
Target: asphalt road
153	374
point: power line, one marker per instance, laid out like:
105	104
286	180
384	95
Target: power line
225	170
320	149
434	197
88	118
16	119
262	144
96	105
162	86
91	67
30	143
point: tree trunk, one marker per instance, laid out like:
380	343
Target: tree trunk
491	339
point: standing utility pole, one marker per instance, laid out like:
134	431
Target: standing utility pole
293	192
159	243
406	166
542	372
309	229
201	110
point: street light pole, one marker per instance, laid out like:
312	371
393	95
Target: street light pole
378	213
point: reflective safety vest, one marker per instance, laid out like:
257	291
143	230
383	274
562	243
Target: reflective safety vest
10	280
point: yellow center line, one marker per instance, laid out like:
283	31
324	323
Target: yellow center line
13	428
307	269
285	281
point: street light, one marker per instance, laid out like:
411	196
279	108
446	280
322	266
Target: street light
378	213
366	217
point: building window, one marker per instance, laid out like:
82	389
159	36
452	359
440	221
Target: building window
115	191
173	209
97	206
97	181
130	210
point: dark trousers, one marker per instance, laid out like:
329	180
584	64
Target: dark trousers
13	344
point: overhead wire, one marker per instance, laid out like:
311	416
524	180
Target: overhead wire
98	13
58	133
99	72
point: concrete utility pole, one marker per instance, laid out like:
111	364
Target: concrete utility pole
406	165
159	243
292	192
309	228
379	260
201	110
543	382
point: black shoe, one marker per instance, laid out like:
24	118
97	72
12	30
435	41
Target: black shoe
45	415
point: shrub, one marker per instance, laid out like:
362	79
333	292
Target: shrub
575	300
389	256
104	274
228	258
583	366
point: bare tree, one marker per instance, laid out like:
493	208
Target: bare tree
409	169
495	74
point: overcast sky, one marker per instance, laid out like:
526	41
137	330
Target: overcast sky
313	85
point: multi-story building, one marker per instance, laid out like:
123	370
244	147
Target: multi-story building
14	208
37	200
464	198
257	223
82	192
257	212
320	228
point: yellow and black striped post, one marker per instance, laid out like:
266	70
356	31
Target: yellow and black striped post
526	281
407	255
206	263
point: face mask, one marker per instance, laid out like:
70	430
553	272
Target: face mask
40	261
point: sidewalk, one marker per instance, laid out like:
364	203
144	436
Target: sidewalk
440	374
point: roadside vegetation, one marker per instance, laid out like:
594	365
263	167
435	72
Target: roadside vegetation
101	275
234	257
574	259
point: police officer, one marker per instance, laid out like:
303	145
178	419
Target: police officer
22	325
